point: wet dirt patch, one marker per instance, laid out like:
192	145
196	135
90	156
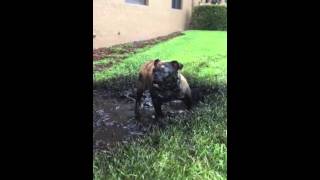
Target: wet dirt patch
114	119
101	67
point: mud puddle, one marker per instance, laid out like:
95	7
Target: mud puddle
114	120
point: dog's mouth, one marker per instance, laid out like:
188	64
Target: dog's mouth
165	87
169	83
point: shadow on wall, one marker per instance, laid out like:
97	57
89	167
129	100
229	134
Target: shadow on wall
188	19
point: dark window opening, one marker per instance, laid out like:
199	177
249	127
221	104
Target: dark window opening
176	4
142	2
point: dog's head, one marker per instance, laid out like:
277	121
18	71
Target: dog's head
165	74
165	71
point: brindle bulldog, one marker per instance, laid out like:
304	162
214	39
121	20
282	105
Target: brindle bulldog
165	83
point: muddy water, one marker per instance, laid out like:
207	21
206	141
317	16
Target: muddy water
114	121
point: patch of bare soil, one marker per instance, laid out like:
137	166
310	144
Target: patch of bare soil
125	49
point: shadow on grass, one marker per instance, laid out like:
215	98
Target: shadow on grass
117	89
199	88
179	136
207	119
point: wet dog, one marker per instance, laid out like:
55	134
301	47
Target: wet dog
165	83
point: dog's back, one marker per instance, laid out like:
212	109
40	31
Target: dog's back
145	76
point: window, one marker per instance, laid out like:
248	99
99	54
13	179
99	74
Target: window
216	1
176	4
143	2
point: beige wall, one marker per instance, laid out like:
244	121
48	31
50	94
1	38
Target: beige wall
116	22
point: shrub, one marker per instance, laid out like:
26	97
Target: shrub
209	17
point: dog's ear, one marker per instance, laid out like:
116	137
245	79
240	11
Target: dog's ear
156	62
176	65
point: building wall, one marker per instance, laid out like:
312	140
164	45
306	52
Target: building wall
116	22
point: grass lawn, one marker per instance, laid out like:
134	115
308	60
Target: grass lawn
194	147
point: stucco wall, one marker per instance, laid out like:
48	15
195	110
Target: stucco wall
116	22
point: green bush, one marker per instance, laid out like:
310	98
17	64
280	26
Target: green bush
210	17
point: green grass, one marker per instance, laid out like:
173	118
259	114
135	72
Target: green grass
194	146
203	54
